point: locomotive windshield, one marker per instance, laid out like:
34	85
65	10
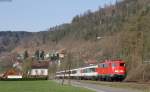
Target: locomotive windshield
122	64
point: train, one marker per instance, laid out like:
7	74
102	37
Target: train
109	70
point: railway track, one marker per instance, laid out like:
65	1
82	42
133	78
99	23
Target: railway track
96	87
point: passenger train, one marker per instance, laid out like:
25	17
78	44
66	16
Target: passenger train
110	70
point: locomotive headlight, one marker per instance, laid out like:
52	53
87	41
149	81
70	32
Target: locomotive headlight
121	71
116	71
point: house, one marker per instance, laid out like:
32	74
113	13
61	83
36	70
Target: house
39	69
13	74
47	56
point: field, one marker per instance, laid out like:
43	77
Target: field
37	86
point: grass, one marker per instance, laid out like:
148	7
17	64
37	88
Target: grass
37	86
135	86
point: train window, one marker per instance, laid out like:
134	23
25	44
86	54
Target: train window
84	71
122	64
88	70
68	72
92	69
101	65
73	72
105	65
61	72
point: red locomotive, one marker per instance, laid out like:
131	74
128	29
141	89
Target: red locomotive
111	70
108	70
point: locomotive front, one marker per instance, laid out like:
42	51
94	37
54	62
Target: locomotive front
119	70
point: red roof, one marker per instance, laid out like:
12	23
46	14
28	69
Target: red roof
41	64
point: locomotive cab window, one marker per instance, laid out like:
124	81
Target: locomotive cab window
122	64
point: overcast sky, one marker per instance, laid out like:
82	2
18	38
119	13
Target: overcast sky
38	15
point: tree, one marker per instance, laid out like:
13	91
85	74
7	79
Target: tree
54	56
26	55
42	54
26	66
67	65
37	54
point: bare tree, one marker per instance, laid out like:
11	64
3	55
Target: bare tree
67	65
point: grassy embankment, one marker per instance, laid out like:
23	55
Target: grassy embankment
37	86
143	87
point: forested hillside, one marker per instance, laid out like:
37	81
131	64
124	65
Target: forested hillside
120	31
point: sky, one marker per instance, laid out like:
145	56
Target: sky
40	15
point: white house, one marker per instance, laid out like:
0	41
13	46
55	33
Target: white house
39	69
14	76
39	72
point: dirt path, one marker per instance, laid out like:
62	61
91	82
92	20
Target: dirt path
97	88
